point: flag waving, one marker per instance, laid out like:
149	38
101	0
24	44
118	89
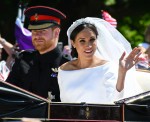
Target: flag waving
107	17
23	35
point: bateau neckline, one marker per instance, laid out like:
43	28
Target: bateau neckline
87	67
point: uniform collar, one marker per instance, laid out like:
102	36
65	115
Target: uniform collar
50	56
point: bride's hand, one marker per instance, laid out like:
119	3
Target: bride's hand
125	63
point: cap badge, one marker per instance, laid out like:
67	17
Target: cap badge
36	17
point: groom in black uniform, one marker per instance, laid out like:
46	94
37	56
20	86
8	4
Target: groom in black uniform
36	71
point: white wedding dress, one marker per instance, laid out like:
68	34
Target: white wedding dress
94	85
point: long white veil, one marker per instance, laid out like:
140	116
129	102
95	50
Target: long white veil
110	45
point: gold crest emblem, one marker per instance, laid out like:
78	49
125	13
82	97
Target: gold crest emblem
55	70
36	17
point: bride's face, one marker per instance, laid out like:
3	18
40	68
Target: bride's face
85	43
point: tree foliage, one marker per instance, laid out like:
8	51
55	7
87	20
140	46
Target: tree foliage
133	16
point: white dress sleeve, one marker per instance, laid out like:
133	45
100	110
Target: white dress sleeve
110	83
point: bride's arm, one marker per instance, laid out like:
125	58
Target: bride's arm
124	65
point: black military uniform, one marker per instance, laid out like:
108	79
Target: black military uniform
35	72
38	73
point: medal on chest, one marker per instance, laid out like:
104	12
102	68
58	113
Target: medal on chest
54	72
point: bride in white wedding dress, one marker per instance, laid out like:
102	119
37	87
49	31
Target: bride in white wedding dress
103	70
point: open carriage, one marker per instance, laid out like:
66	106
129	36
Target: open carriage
16	103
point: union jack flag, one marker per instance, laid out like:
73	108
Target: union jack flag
107	17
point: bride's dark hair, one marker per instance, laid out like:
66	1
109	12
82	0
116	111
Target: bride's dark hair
78	29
